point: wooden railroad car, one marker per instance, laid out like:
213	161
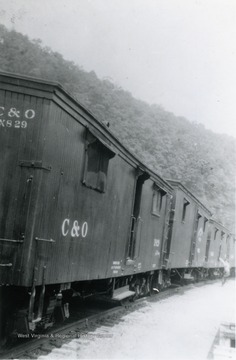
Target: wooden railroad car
220	245
78	212
187	237
231	253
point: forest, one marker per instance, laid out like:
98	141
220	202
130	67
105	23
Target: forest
172	146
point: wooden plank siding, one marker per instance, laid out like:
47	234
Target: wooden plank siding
70	231
20	142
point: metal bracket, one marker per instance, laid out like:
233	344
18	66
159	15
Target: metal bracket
13	241
7	265
47	240
34	164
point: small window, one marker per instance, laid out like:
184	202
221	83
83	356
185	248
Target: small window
216	230
157	200
185	205
219	251
97	157
204	224
208	245
228	246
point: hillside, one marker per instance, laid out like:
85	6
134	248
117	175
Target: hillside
172	146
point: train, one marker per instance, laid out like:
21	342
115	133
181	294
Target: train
81	215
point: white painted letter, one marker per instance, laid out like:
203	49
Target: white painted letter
30	114
84	229
64	230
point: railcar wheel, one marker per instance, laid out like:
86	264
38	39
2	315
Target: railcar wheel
154	285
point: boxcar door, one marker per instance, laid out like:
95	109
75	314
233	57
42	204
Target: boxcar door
197	233
141	177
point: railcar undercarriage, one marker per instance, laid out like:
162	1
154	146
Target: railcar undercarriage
28	310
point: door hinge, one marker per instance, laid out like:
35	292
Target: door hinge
34	164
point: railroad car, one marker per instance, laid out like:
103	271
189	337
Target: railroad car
78	212
220	245
189	219
231	253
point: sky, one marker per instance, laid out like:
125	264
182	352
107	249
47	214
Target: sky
180	54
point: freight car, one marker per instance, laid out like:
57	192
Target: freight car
187	238
220	245
79	213
231	253
196	242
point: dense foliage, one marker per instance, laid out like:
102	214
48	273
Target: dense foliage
172	146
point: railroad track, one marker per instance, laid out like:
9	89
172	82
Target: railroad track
95	323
